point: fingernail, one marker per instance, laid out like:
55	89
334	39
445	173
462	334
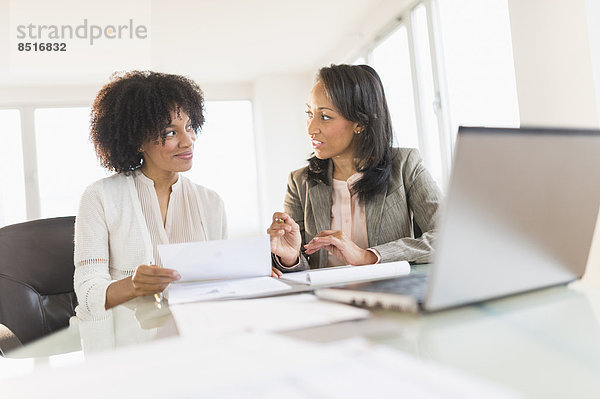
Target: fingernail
177	276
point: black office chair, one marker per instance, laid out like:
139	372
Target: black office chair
36	279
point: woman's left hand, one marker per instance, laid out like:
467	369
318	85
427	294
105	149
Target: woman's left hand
337	243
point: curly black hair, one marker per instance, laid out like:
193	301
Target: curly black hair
135	107
357	93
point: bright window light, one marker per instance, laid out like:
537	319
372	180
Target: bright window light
225	161
479	63
12	178
391	60
67	163
430	150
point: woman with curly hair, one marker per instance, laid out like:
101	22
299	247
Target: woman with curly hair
143	127
356	201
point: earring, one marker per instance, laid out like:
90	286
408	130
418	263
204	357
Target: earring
358	132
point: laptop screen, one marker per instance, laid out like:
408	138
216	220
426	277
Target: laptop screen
519	215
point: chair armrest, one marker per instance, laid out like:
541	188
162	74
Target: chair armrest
8	340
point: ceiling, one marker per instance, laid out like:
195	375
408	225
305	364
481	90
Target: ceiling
225	41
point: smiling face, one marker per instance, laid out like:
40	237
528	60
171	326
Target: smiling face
331	134
176	154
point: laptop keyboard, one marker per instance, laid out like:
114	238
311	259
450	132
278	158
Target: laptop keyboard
414	285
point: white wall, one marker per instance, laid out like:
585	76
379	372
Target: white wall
281	141
556	45
553	65
592	275
593	19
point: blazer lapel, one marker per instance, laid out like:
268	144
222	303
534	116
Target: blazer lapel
374	211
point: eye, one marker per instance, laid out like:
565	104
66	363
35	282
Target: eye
169	133
325	117
308	114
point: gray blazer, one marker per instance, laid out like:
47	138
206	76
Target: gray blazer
411	194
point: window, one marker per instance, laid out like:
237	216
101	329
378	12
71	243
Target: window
404	63
12	178
478	62
225	161
391	60
427	98
447	63
66	160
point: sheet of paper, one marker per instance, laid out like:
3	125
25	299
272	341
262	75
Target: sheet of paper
219	259
224	289
348	274
281	313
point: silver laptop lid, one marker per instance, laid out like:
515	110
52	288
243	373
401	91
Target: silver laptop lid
520	213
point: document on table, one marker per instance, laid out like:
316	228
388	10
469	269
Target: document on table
349	274
224	289
276	314
221	269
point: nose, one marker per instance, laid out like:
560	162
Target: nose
312	126
188	139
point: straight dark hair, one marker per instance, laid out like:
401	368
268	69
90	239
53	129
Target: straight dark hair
357	94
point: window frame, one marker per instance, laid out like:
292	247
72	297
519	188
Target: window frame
441	98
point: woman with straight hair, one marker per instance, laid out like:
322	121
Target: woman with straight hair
356	201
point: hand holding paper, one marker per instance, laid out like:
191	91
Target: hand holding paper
223	269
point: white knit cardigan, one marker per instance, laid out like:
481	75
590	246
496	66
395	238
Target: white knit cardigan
111	237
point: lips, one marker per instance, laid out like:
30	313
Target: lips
185	155
316	143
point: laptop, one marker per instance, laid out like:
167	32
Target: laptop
519	215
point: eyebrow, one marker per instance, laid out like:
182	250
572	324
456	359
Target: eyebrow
321	108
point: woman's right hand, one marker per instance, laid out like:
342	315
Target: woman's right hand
146	280
285	238
151	279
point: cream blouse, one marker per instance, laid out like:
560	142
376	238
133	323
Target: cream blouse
347	215
183	222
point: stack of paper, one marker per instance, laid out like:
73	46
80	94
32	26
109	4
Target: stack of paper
282	313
